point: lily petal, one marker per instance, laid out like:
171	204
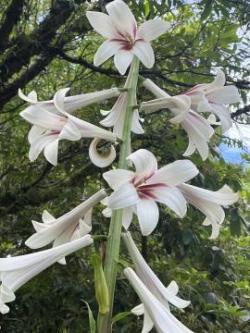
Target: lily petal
105	51
102	161
123	60
148	215
123	197
101	23
143	50
175	173
152	29
122	17
173	198
115	178
144	161
51	152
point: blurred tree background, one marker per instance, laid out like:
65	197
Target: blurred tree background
48	44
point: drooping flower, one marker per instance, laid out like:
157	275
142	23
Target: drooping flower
137	192
116	116
16	271
156	313
198	129
151	281
71	103
51	127
209	203
70	226
213	97
124	38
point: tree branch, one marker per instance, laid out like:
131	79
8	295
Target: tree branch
12	15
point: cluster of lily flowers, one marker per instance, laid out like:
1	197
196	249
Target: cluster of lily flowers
136	192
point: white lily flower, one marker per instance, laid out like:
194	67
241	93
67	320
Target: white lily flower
68	227
198	129
124	38
49	128
16	271
156	314
116	116
212	97
137	192
71	103
151	281
209	203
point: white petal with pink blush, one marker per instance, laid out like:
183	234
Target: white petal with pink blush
156	314
124	38
49	127
214	97
198	129
138	192
210	203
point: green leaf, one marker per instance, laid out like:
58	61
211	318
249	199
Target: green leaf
120	316
92	322
235	223
207	10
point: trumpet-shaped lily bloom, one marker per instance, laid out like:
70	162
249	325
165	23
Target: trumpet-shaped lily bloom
71	103
49	128
124	38
156	313
16	271
137	192
116	116
209	203
198	129
151	281
67	227
213	97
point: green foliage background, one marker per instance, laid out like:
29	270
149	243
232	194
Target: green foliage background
214	275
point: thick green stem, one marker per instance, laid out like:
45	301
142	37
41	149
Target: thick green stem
114	238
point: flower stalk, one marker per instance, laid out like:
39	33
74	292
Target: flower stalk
114	237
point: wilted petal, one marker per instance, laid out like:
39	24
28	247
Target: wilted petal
152	29
148	215
101	160
143	50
